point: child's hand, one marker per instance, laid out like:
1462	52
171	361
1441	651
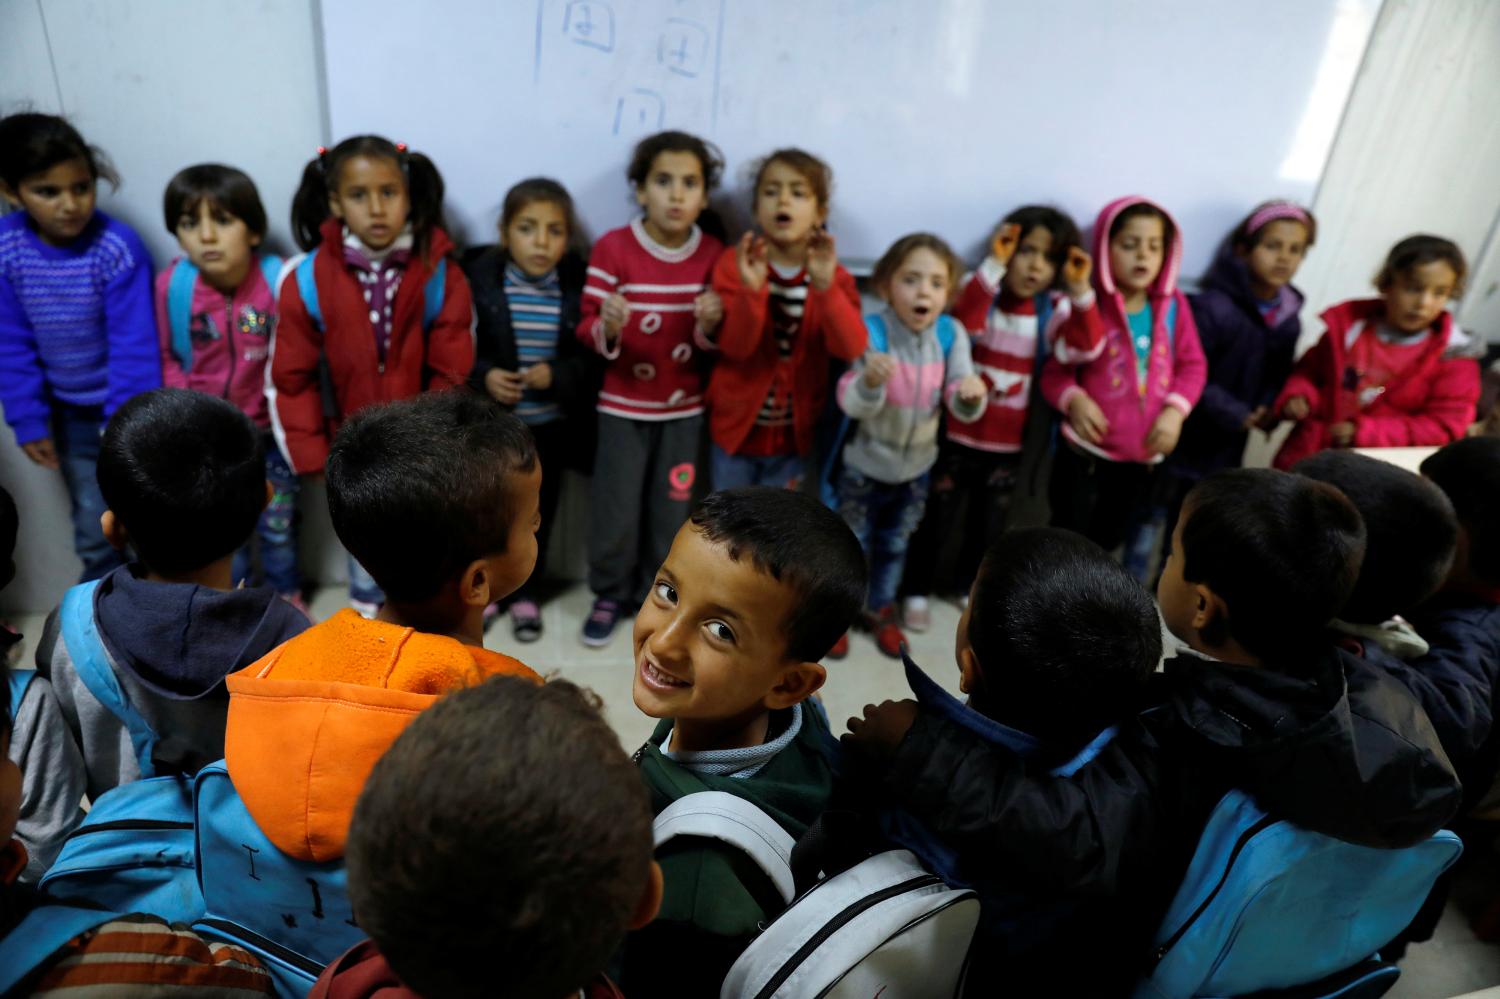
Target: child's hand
750	255
42	452
538	376
881	729
1076	271
878	369
504	386
1164	432
1256	418
1297	408
971	389
1341	434
1003	246
614	313
708	310
822	259
1087	419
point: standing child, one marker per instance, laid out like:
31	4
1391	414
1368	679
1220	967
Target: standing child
1393	371
215	307
1125	401
646	307
788	307
526	303
1016	313
918	359
76	336
372	313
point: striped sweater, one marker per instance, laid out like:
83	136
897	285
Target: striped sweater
535	311
655	371
76	322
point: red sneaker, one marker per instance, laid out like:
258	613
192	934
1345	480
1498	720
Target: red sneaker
888	637
840	648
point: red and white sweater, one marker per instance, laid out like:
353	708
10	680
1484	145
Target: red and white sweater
655	372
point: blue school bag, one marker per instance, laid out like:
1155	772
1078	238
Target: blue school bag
180	302
432	291
1267	905
40	934
133	852
294	915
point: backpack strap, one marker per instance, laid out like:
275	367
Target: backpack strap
180	310
270	269
1042	302
432	293
946	324
731	819
41	935
875	327
19	681
86	649
307	287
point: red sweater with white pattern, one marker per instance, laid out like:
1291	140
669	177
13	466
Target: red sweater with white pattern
655	371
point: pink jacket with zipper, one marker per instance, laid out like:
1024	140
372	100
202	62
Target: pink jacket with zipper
1175	373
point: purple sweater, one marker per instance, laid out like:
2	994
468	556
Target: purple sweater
76	323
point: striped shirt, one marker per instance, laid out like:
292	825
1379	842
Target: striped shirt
141	955
535	312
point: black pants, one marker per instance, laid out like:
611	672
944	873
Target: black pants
1096	497
968	500
552	442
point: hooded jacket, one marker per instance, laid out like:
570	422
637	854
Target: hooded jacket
1175	373
1249	357
1332	744
341	360
308	721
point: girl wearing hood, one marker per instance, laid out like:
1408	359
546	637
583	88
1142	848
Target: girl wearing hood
1124	401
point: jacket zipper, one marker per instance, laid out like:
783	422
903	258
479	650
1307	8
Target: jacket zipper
1259	827
134	824
278	951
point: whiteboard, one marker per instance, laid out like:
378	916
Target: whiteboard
935	114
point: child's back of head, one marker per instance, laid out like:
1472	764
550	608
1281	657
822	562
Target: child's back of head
1410	532
504	837
1468	473
1057	635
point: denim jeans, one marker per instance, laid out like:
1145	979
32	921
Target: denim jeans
75	435
730	471
276	531
362	585
882	516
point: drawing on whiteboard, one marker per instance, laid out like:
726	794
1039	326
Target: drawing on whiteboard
641	110
682	47
591	24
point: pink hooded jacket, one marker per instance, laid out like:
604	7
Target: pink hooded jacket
1175	373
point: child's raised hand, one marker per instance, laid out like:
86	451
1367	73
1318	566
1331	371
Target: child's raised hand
881	729
1076	271
751	255
1162	439
42	452
1003	246
614	313
971	389
504	386
1297	408
1087	419
878	369
708	310
822	259
1341	434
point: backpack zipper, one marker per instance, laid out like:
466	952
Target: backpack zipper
837	923
278	951
138	824
1260	826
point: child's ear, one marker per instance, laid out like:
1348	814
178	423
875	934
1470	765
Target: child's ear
650	903
8	193
475	586
334	207
640	195
255	240
970	677
113	530
1208	608
797	683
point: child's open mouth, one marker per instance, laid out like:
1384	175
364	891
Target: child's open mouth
660	680
783	218
921	311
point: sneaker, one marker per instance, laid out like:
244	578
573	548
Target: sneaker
888	637
295	599
364	608
916	614
601	622
840	648
526	621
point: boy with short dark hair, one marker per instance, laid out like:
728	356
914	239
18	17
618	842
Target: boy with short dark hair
759	585
1259	699
536	888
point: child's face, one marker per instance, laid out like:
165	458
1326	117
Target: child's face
786	207
371	199
512	567
1136	253
1031	270
1417	296
1277	254
710	643
219	244
918	291
674	195
60	200
537	237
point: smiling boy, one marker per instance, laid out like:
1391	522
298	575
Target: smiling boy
759	584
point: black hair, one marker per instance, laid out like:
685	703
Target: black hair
418	489
1410	532
223	187
1145	209
505	828
1282	551
1063	635
652	146
817	174
32	143
1062	227
1244	239
184	474
424	188
1414	251
535	189
1468	473
10	528
801	544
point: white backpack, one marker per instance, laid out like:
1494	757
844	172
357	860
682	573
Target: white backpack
886	926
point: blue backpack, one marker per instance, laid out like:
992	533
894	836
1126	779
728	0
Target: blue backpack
293	915
432	291
180	302
39	935
19	680
1268	905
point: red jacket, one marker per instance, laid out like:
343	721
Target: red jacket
1429	403
831	325
442	358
